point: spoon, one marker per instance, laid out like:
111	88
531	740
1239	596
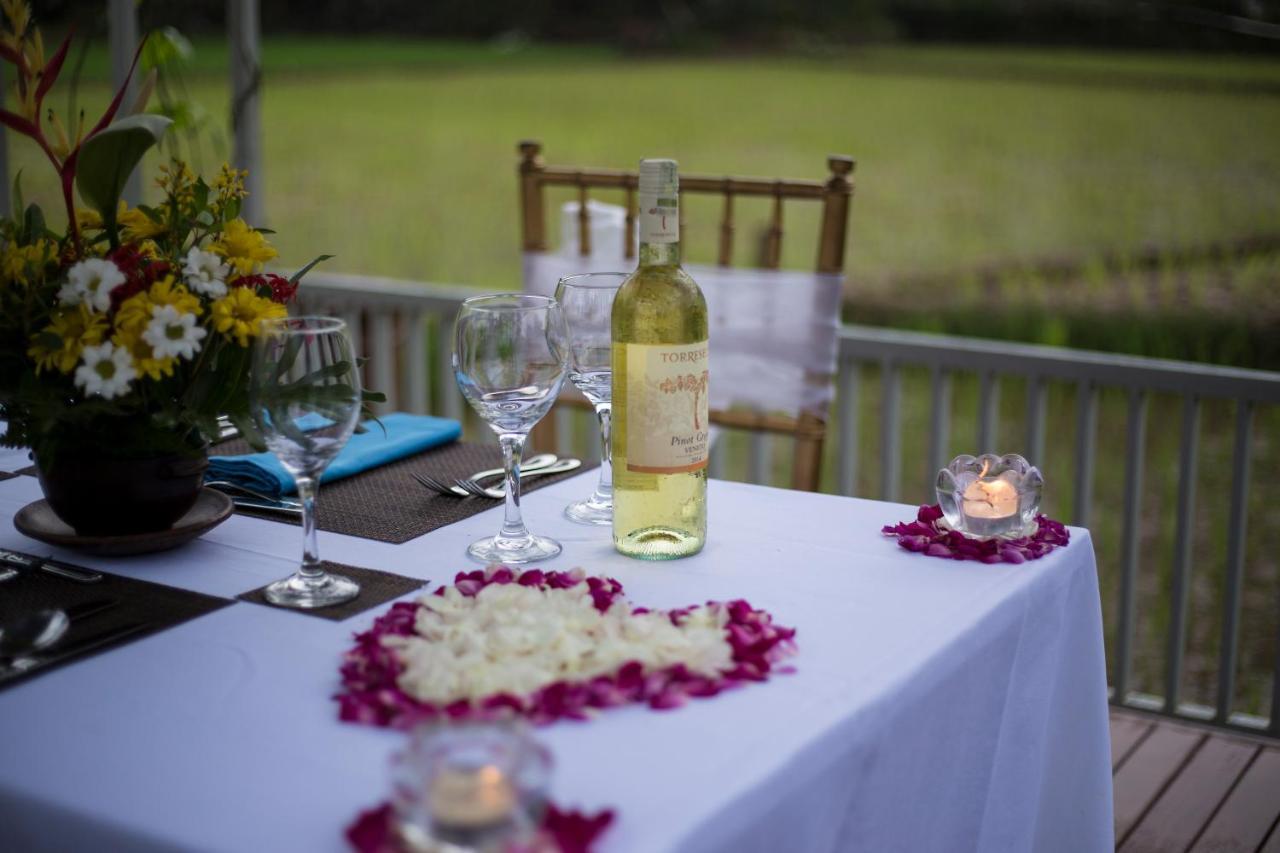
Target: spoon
32	632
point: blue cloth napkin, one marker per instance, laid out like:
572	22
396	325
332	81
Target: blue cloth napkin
405	435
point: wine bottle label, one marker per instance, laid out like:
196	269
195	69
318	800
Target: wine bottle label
659	218
666	407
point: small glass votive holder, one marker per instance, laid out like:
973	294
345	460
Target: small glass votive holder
988	495
469	787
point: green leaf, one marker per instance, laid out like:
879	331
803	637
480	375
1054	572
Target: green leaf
200	196
154	215
18	203
232	209
293	279
163	47
33	223
108	158
204	218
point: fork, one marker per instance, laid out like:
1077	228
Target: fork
535	463
559	467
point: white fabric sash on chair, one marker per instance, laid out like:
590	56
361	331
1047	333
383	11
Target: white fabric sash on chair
773	333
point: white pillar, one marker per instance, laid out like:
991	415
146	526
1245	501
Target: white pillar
246	80
122	22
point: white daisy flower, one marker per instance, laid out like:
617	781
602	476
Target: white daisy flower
205	273
106	370
172	333
91	281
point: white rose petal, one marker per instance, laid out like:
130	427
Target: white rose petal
517	639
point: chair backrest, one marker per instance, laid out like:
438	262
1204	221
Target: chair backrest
774	339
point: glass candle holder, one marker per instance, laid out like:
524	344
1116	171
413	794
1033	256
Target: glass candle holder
474	787
990	495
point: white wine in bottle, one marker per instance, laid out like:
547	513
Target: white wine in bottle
660	432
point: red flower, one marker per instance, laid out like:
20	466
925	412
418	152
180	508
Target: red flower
277	288
139	272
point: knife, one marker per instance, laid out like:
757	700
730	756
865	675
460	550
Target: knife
9	559
266	506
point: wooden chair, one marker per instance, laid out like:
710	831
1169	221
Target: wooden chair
808	430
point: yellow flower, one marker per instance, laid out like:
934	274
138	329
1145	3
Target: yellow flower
238	314
25	264
148	249
178	182
136	225
88	219
129	336
75	328
230	183
135	313
244	249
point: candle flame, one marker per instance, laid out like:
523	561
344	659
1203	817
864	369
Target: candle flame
986	463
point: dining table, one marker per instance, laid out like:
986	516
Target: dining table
932	704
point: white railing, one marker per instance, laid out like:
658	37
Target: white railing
404	329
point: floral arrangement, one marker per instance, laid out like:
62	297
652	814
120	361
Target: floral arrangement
566	831
547	646
130	329
927	536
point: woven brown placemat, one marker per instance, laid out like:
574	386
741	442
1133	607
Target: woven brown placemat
30	471
151	607
5	475
388	505
375	588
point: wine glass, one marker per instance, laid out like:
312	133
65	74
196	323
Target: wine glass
587	303
509	359
305	396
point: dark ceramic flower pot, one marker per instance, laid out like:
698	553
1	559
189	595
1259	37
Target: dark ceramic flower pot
100	496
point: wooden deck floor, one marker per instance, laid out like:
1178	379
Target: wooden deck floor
1179	788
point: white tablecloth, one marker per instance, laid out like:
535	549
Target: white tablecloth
936	706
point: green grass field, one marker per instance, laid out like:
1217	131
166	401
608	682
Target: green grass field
399	158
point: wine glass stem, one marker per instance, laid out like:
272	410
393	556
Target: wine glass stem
604	488
310	548
512	451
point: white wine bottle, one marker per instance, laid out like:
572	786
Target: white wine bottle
660	432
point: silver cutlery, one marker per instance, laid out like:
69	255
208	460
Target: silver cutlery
456	489
12	560
284	508
497	494
31	632
247	498
94	641
42	630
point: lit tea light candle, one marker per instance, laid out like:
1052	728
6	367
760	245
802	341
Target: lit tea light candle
471	799
989	504
990	495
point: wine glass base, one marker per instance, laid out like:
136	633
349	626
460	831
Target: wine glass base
589	512
513	552
308	593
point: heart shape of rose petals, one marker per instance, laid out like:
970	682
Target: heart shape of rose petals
375	672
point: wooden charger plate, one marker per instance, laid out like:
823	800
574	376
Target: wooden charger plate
39	521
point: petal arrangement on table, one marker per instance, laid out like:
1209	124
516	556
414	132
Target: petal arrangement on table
926	536
547	646
570	831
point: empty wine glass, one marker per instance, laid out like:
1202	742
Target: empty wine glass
305	396
587	303
509	360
